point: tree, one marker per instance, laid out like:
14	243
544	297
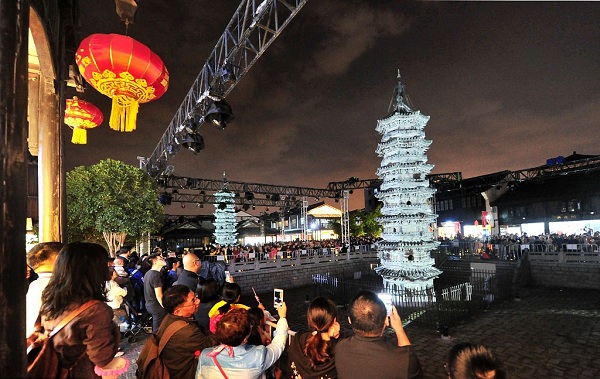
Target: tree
111	200
361	223
371	227
354	218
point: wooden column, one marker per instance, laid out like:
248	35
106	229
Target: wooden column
50	167
14	24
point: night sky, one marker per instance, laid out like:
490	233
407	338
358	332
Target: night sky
507	85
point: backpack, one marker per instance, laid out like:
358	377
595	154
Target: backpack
42	359
149	362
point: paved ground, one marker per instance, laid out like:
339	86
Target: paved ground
549	333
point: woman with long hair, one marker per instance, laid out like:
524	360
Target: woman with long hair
208	292
311	354
87	345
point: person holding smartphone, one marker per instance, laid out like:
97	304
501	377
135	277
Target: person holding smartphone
368	354
235	357
311	354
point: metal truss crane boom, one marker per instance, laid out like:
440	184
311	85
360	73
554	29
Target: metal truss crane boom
251	30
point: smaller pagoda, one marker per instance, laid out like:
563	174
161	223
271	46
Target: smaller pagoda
225	231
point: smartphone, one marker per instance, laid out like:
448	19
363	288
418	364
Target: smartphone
227	276
387	300
277	297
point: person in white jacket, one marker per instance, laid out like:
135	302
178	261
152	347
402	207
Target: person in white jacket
234	358
41	259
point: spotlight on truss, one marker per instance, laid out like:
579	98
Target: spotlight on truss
219	114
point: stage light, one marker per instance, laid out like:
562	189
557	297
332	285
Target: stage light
227	73
193	142
173	149
219	114
189	125
249	195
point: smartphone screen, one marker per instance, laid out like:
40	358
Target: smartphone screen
387	300
227	276
277	297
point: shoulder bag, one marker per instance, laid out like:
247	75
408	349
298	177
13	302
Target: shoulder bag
42	359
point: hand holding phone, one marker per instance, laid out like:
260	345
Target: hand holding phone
228	277
277	297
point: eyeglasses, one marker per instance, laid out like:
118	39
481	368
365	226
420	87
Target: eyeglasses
195	301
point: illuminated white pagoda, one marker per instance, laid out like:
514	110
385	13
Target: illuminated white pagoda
225	232
407	215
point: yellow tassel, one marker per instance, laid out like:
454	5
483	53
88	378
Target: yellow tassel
79	136
123	117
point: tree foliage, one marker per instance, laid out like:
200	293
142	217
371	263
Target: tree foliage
111	200
361	223
371	227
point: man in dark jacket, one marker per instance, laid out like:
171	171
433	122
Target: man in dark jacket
179	354
368	354
189	276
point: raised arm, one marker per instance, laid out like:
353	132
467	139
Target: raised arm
396	324
275	348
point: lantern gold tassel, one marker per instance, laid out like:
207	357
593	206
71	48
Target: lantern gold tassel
123	116
79	136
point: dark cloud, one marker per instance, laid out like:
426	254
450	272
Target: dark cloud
506	84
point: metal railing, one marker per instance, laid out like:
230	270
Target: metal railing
458	294
262	261
566	252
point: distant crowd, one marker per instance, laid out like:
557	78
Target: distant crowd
556	239
273	250
203	330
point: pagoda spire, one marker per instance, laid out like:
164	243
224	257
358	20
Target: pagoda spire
225	186
399	96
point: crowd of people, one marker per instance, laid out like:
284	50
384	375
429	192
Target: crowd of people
554	239
206	331
274	250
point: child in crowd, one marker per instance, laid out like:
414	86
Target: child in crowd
114	295
230	297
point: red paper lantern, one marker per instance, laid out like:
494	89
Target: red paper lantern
126	71
80	116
